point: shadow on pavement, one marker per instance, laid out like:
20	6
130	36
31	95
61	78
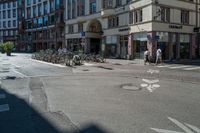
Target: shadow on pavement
20	117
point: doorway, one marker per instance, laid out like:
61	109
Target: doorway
95	45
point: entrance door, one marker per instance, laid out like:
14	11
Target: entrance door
95	44
123	46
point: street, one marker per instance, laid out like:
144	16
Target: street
113	97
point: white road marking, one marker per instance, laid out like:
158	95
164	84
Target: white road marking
153	71
194	128
2	96
150	81
187	128
58	65
19	73
176	67
192	68
165	66
4	107
164	131
182	126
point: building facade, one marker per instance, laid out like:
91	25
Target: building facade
125	28
41	24
8	21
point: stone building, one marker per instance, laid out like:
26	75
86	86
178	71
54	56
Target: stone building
8	21
125	28
41	24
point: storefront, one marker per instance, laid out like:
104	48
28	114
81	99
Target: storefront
163	44
111	46
74	44
139	45
123	41
185	46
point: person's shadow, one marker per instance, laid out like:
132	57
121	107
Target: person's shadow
17	116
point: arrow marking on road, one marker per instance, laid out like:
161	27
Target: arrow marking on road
187	128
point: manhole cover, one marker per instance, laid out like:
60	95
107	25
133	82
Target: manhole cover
86	70
130	87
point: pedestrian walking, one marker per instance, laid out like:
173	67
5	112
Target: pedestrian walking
158	56
146	57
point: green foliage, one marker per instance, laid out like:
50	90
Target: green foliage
8	46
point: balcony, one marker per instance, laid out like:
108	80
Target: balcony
107	12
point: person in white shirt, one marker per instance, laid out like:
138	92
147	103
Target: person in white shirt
59	51
158	56
146	57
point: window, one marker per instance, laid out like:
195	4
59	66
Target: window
80	7
14	23
184	17
9	5
40	22
165	14
34	11
107	4
4	14
138	17
14	13
73	8
71	29
28	2
14	4
45	20
52	5
9	23
45	7
113	22
118	2
80	27
130	17
4	24
92	6
69	9
28	12
9	15
39	9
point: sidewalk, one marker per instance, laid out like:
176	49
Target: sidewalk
125	62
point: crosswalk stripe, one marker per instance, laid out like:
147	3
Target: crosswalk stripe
165	66
2	96
176	67
192	68
4	107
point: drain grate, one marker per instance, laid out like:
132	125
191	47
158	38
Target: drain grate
130	87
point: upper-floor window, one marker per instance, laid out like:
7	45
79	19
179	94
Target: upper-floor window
93	6
107	4
80	7
14	13
73	8
118	2
165	14
71	29
113	22
45	7
52	5
28	2
80	27
185	17
138	16
14	4
34	11
39	9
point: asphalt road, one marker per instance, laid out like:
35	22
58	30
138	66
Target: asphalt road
37	97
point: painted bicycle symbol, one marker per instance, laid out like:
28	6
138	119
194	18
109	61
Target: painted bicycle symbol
150	85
